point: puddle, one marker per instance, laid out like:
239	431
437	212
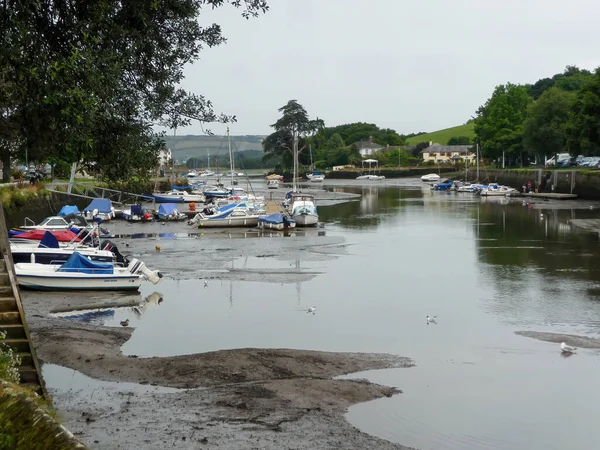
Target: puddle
72	388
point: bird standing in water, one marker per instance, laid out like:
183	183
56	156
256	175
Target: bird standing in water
125	323
567	348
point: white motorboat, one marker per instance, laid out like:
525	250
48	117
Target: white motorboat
317	178
192	174
303	209
136	213
496	190
371	177
99	208
231	215
169	212
176	196
272	184
430	177
79	273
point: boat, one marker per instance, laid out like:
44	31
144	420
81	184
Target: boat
273	183
137	213
371	177
178	196
54	223
470	187
430	177
303	209
80	273
38	234
445	186
493	190
49	250
101	208
232	215
276	221
192	174
169	212
316	177
216	191
69	210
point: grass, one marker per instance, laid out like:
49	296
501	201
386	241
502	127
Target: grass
17	196
442	136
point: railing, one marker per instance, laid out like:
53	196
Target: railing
87	191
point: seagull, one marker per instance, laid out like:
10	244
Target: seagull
125	323
205	283
567	348
431	319
311	309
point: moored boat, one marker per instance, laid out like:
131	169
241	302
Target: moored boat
273	183
496	190
169	212
232	215
430	177
99	208
276	221
79	273
303	209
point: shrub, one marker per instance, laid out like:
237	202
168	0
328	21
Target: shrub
9	362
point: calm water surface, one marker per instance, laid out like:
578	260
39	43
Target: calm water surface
485	268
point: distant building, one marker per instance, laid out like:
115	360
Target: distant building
446	153
164	156
367	148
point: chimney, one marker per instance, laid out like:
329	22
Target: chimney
371	139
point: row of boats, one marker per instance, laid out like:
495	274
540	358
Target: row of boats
485	190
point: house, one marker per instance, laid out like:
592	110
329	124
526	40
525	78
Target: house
445	153
367	148
164	157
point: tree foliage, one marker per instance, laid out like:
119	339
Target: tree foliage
545	126
359	131
459	140
583	129
293	129
86	81
499	122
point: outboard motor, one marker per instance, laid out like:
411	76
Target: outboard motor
108	245
137	267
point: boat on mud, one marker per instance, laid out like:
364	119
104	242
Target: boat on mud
430	178
137	213
276	221
303	209
80	273
169	212
231	215
101	208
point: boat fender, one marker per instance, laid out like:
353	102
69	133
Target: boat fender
32	258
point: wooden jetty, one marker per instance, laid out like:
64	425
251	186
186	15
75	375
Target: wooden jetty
547	195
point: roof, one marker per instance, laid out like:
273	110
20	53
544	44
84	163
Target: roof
438	148
366	144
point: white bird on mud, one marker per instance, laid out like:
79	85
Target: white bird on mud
205	283
431	319
567	348
312	309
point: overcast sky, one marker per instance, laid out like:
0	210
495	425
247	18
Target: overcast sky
410	65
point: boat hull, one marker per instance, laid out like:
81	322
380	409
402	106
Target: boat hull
226	222
24	256
276	226
161	199
71	282
306	220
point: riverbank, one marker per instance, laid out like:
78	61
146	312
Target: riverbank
241	398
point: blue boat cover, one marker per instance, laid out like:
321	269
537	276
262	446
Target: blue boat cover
167	208
275	218
136	210
67	210
103	205
80	264
48	241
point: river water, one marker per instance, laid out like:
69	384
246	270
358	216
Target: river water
378	267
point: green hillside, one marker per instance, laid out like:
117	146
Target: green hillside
442	136
198	146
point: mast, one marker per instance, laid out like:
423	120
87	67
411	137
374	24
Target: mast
477	156
312	169
230	158
295	154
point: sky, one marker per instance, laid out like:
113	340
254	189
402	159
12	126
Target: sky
409	65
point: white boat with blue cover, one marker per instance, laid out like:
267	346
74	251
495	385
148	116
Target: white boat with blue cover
232	215
101	208
79	273
303	209
169	212
276	221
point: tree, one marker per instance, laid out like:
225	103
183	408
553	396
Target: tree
499	121
292	132
545	126
91	79
583	129
459	140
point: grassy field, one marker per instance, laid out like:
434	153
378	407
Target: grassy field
442	136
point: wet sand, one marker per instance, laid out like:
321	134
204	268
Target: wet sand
241	398
569	339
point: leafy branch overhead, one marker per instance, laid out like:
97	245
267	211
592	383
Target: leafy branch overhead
87	81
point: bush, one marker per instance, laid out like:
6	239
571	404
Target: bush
9	362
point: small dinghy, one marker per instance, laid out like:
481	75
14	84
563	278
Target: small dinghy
169	211
80	273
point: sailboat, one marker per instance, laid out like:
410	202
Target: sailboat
302	206
314	177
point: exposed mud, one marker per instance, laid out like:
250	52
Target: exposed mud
242	398
569	339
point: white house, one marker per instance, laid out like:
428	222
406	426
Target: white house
368	148
447	153
164	156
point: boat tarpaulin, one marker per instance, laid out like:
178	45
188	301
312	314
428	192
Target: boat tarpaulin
48	241
167	209
275	218
103	205
67	210
80	264
60	235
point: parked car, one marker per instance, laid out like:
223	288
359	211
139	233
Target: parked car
558	159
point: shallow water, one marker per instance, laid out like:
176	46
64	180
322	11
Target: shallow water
485	267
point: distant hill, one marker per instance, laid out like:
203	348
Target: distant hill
198	146
442	136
